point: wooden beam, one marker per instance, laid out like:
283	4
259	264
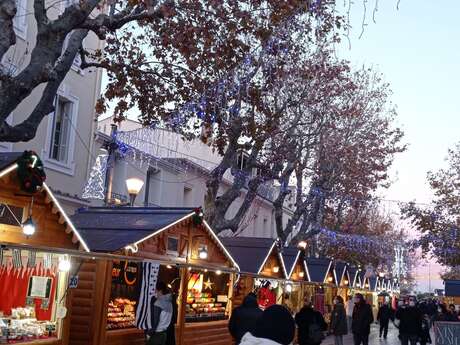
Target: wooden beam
68	229
54	209
74	238
61	220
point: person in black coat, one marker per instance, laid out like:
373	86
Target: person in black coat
425	337
244	318
310	324
339	325
410	322
384	315
361	320
171	331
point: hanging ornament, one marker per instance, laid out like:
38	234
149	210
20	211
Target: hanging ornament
208	284
95	186
197	217
30	172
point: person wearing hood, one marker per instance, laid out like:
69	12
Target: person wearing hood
384	315
244	317
339	326
162	313
362	320
311	324
275	327
410	323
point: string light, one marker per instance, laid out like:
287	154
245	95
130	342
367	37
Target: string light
95	186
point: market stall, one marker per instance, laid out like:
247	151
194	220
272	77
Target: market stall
320	273
297	279
451	292
343	279
37	245
262	269
172	245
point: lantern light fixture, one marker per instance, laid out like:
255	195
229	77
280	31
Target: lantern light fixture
301	274
288	287
28	227
330	279
218	272
64	264
276	269
203	253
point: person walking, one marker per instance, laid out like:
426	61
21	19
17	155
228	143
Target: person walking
362	320
442	314
384	315
311	325
425	337
244	318
453	315
162	312
339	326
274	327
410	322
350	307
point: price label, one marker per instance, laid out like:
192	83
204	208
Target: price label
73	282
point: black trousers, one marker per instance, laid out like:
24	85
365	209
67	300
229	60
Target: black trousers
361	339
384	328
407	339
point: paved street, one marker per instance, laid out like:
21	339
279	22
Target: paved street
373	339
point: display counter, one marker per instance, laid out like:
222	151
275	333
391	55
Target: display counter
207	333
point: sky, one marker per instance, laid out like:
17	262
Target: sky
416	48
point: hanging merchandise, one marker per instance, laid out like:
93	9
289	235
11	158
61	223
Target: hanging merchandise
32	258
266	296
95	186
30	172
17	259
150	271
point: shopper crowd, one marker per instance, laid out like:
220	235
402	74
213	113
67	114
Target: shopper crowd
276	325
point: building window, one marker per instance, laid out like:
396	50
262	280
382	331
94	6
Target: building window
60	140
59	150
20	20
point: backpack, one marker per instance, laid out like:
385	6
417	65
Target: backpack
315	333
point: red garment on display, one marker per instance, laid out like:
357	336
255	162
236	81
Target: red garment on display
267	298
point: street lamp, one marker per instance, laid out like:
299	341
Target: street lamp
302	245
134	186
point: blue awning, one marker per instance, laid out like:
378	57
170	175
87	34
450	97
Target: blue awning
318	269
452	288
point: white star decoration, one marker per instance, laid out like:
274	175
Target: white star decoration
208	284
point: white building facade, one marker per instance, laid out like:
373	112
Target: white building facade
64	138
176	172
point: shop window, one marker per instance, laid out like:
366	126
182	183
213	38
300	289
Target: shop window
207	296
32	294
173	246
125	290
10	215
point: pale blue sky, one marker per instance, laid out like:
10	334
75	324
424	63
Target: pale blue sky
417	49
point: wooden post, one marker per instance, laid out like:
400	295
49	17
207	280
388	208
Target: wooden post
182	304
230	293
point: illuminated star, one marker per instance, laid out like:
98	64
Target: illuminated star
208	284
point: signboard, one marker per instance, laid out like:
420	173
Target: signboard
446	333
73	282
125	273
39	287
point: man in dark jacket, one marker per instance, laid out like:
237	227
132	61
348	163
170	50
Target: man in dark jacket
244	317
362	319
410	322
383	316
311	325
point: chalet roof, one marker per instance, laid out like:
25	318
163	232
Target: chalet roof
340	269
452	288
290	257
318	269
373	281
353	273
8	165
8	158
249	252
109	229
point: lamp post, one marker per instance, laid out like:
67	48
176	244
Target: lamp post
134	186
